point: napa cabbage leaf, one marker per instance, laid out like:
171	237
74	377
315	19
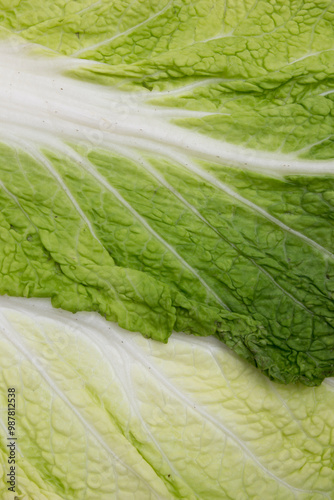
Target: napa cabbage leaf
105	414
170	165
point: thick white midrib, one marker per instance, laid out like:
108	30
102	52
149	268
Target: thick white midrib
97	176
163	182
38	157
157	129
124	33
23	349
40	128
195	406
44	308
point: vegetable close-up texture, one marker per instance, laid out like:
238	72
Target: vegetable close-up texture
167	174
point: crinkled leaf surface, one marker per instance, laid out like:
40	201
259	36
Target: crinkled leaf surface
170	165
104	414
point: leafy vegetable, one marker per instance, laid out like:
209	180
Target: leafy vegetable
169	165
103	414
176	172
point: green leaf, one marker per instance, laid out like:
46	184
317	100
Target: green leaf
170	166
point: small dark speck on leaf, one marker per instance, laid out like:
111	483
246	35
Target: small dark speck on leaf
327	276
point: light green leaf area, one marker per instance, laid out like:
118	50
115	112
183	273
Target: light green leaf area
105	414
262	70
170	166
